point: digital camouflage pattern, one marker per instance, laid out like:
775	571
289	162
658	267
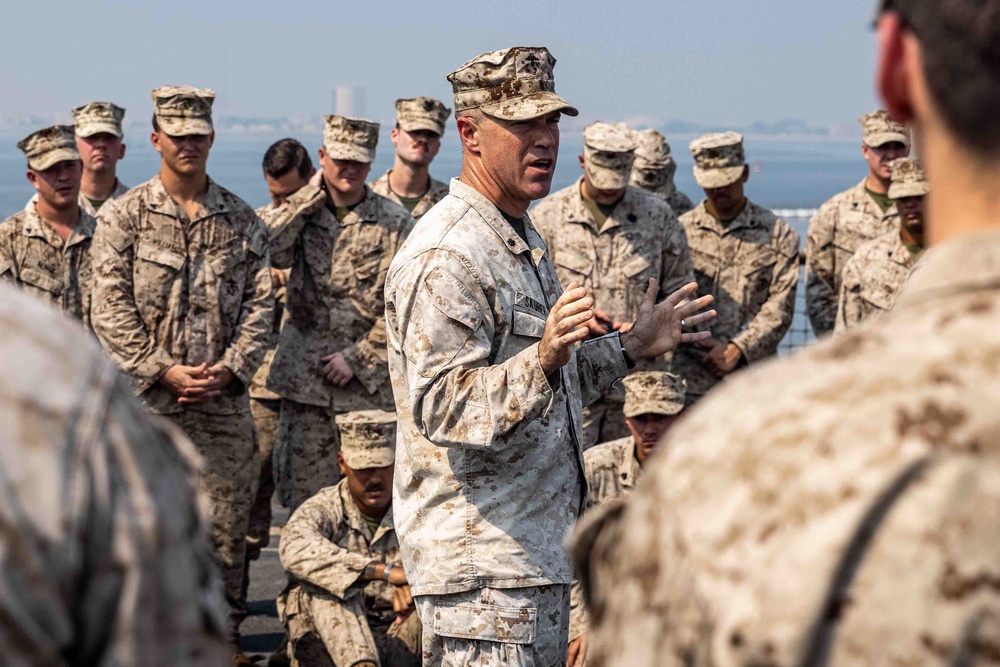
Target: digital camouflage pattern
170	290
654	169
258	384
104	558
183	110
335	304
489	453
641	239
350	138
878	128
840	507
838	229
751	267
873	279
437	191
422	113
48	146
513	84
265	413
368	438
515	627
908	179
654	394
719	159
35	258
326	546
98	117
608	154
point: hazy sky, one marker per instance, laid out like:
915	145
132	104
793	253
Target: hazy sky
713	61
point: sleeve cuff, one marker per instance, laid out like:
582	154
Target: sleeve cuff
371	373
529	383
606	361
150	370
239	365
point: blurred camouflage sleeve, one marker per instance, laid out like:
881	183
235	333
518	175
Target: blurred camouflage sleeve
579	619
444	325
369	357
821	296
762	334
255	326
6	251
285	223
307	552
114	314
849	307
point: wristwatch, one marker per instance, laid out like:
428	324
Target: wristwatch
629	361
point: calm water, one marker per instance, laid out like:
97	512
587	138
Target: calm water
792	177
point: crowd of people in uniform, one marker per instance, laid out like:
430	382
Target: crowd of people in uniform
441	385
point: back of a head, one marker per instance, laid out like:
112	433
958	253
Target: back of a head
960	47
286	155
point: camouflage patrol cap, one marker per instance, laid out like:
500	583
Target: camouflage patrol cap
183	110
654	164
608	153
719	159
908	179
658	393
512	84
880	129
97	117
46	147
350	138
367	438
422	113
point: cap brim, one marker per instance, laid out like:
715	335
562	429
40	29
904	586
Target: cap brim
417	125
54	157
605	178
882	139
368	459
183	127
349	152
90	129
718	178
901	190
529	107
665	408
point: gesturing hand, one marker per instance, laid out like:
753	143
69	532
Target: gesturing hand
658	329
566	325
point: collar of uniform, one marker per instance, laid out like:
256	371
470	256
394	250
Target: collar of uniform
629	465
356	521
160	201
862	201
624	210
367	210
35	226
964	264
83	231
898	253
706	220
491	214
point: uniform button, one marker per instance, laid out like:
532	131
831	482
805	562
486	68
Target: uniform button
510	242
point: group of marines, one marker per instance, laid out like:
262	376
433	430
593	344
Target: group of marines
295	353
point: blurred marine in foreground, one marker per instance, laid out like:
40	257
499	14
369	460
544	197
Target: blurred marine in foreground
842	507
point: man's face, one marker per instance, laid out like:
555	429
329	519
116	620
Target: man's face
416	148
371	488
100	152
520	156
647	429
59	185
283	187
728	200
345	176
186	155
911	213
879	157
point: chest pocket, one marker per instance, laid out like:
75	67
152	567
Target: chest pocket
572	265
156	270
881	282
227	260
37	280
527	324
757	280
852	231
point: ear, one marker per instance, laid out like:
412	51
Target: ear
394	135
121	153
746	174
32	178
343	466
211	140
583	164
154	138
468	133
896	60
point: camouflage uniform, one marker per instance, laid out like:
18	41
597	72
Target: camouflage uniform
641	239
88	120
104	558
490	452
335	303
841	226
326	546
169	290
654	169
750	265
437	191
613	468
841	507
879	269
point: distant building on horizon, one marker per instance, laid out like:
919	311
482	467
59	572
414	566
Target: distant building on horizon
349	101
